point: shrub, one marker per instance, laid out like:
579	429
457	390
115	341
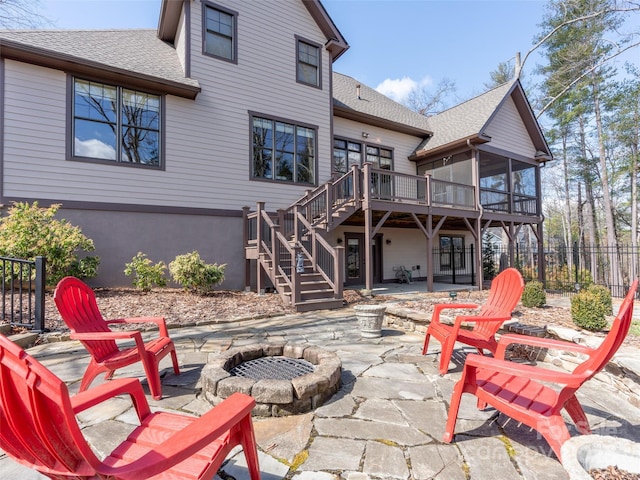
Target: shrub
28	231
533	295
192	273
604	297
146	275
588	311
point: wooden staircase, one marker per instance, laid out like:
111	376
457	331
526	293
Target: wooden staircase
291	250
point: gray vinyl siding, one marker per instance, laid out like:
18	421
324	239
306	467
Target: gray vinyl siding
217	129
507	131
402	144
207	141
34	130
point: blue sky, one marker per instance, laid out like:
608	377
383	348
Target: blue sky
394	43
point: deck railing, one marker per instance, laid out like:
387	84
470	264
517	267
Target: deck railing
386	185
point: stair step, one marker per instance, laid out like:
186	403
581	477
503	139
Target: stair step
320	304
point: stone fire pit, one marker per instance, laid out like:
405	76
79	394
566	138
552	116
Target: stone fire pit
304	377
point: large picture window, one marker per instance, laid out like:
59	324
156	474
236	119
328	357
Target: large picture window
283	151
219	34
115	124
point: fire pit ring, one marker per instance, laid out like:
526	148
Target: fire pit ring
312	377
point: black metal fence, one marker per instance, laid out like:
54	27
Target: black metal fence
22	285
569	269
455	265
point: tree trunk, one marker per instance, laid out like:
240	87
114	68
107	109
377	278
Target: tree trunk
612	242
567	196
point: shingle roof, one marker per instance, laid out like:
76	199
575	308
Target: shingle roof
372	105
466	119
139	52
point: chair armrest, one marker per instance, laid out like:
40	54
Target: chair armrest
477	319
104	335
94	396
474	360
511	338
160	321
189	440
438	307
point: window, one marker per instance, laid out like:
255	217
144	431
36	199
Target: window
283	151
380	157
115	124
451	252
308	63
219	26
346	154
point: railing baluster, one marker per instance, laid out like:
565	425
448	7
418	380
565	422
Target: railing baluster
22	293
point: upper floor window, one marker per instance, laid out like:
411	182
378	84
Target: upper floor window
283	151
115	124
219	31
308	63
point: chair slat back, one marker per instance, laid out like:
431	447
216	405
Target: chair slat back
506	291
38	425
78	308
613	340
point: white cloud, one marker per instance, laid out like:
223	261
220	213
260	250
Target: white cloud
399	89
94	148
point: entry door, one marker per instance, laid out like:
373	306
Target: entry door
355	259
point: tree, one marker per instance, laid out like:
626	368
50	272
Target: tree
21	14
503	74
429	102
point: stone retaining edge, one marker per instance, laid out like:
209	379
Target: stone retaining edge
622	372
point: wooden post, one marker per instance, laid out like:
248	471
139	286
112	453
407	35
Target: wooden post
245	241
260	280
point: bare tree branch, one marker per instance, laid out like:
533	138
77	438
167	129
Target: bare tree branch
21	14
584	74
635	6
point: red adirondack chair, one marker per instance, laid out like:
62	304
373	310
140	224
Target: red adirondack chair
516	390
505	293
78	308
39	428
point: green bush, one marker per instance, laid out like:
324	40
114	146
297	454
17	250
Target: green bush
588	311
604	296
28	231
533	295
192	273
146	275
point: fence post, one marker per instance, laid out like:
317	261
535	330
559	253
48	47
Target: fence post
40	283
473	265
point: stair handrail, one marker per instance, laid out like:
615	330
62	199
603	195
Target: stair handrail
318	244
326	195
271	249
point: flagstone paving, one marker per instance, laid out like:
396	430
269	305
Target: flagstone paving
386	422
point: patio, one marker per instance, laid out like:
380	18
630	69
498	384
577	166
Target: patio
385	422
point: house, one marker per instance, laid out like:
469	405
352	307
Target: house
226	131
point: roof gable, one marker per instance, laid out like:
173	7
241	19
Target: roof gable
336	44
468	121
